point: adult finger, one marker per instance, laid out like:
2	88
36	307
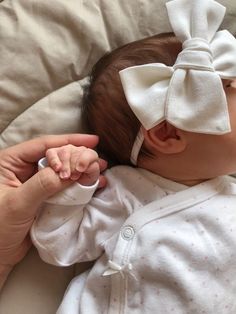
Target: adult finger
33	150
37	189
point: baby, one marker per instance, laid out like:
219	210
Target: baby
163	232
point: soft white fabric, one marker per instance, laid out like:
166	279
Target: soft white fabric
163	248
35	287
189	95
71	303
138	142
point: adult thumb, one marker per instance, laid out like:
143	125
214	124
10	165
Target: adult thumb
40	187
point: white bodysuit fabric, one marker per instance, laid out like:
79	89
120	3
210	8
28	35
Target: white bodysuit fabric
159	246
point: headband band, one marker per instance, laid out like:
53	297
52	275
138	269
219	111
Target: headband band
190	94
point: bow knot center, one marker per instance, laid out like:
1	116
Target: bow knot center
196	54
114	268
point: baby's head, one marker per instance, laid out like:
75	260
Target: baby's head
172	91
106	111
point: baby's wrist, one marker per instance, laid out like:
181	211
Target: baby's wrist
75	194
89	184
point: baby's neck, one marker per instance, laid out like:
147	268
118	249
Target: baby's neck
167	175
187	182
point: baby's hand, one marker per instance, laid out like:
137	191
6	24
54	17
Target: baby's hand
80	164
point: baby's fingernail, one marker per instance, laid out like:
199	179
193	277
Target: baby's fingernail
64	175
75	177
56	167
55	164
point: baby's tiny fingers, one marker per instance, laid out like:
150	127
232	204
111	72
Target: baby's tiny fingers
53	159
86	158
64	156
102	182
102	164
75	156
75	176
91	175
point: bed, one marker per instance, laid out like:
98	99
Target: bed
47	50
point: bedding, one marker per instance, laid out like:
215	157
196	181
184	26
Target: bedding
47	49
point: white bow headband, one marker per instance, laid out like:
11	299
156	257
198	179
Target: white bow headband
190	94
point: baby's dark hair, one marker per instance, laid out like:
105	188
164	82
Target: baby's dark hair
105	108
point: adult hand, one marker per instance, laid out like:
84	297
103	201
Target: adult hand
23	189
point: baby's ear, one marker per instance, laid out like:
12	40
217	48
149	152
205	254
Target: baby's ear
166	138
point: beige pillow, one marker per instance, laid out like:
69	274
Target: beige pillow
47	47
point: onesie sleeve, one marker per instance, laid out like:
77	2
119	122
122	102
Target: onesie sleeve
73	226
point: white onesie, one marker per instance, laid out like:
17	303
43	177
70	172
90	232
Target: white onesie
158	246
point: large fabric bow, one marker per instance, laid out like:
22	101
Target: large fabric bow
190	94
